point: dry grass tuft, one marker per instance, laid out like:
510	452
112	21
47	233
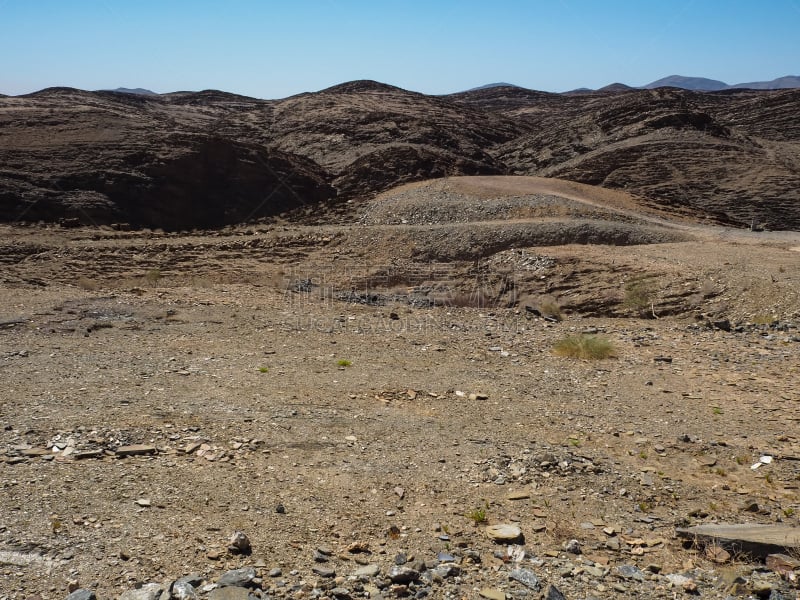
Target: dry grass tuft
590	347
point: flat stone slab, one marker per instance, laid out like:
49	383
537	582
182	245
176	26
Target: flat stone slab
755	540
518	495
229	593
36	452
84	454
135	450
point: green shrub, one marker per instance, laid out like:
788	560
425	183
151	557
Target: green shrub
477	516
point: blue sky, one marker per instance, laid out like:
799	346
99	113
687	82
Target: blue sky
276	49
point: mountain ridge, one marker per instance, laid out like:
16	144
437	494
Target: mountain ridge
700	84
208	159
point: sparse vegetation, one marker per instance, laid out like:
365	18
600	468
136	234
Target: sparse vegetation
263	369
153	276
477	516
716	410
764	319
640	296
590	347
343	362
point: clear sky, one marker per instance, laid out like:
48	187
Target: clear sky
272	49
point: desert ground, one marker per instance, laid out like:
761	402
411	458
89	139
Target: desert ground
365	400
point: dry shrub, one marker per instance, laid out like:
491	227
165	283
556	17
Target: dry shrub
473	299
550	308
590	347
562	529
764	319
639	294
90	285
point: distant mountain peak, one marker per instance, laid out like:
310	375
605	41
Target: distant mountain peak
615	87
139	91
362	85
489	86
702	84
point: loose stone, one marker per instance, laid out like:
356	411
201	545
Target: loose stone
526	578
367	571
230	593
325	572
553	593
403	575
182	590
240	544
237	578
82	594
149	591
504	533
629	572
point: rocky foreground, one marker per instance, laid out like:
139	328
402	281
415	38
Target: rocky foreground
400	407
173	437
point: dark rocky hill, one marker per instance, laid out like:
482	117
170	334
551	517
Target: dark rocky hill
732	156
206	159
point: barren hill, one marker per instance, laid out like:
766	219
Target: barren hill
730	156
206	159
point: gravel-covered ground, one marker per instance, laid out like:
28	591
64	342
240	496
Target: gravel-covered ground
160	393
